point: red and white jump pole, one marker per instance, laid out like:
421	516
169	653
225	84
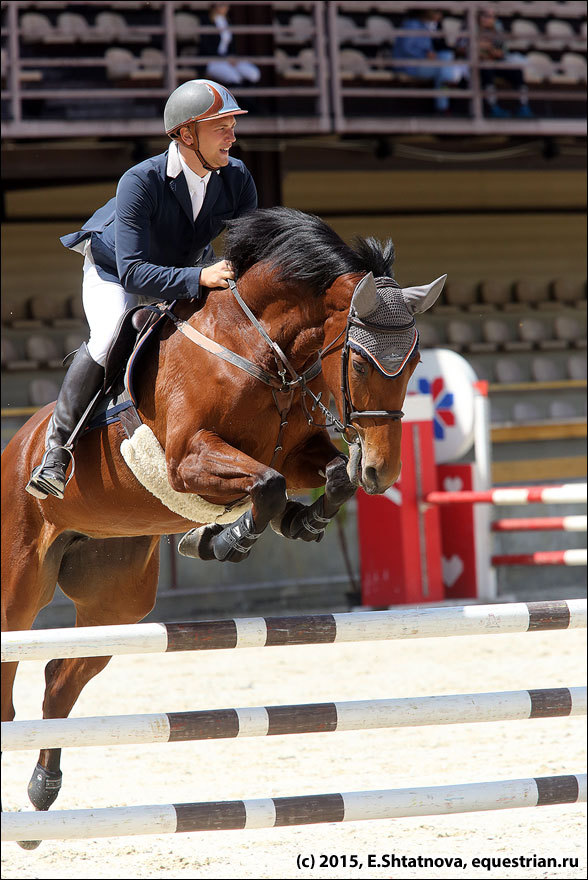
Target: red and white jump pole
541	524
545	557
570	493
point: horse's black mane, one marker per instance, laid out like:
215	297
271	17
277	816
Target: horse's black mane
302	247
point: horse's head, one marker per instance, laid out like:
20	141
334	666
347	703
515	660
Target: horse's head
379	356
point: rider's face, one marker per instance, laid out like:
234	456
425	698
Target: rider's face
215	138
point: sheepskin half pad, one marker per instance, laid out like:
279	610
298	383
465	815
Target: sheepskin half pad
146	459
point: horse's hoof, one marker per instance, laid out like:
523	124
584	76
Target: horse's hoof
44	788
197	542
29	844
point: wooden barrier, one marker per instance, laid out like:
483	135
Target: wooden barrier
570	493
167	727
288	811
541	524
257	632
542	557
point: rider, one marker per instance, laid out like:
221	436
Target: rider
151	243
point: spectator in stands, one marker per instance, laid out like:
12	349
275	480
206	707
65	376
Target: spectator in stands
225	68
151	243
493	48
426	45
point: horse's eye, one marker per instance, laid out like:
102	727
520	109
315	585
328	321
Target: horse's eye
360	367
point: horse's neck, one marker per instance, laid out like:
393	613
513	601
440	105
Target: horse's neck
292	318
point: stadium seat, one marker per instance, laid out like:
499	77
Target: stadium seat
462	335
35	27
353	64
534	331
9	352
497	332
576	366
560	35
526	411
573	67
347	30
460	294
187	27
13	356
379	29
430	335
301	67
42	391
569	329
152	64
564	409
544	369
112	27
71	27
120	63
47	309
300	29
43	350
568	290
531	291
523	33
509	371
495	293
538	68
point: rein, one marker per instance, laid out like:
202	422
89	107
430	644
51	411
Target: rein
288	379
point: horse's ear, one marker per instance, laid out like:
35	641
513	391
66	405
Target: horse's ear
366	298
419	299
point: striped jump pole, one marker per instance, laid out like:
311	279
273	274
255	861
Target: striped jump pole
544	557
258	632
289	811
541	524
570	493
57	733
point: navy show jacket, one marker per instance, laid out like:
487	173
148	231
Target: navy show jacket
146	239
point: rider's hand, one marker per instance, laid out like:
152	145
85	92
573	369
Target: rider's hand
216	275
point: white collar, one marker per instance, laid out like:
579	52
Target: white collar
174	165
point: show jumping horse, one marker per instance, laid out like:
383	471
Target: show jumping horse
235	395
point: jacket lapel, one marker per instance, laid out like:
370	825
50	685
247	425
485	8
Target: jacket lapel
177	181
213	190
179	187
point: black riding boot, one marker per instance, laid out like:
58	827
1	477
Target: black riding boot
81	382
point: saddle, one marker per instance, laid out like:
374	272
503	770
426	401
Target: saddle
118	403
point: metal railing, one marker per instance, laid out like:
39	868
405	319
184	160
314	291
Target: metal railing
59	85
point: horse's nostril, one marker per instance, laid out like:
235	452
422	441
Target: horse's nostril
371	476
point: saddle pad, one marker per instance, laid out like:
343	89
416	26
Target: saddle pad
146	459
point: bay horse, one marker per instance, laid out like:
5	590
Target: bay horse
234	394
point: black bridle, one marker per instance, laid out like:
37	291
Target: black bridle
288	379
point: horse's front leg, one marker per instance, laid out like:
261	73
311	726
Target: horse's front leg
308	522
217	470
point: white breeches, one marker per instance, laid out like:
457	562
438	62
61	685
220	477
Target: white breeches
104	303
233	74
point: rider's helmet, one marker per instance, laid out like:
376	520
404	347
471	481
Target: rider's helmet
195	100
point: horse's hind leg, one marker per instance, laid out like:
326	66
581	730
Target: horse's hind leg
110	581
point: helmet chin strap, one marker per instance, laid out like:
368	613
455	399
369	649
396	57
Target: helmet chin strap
196	149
